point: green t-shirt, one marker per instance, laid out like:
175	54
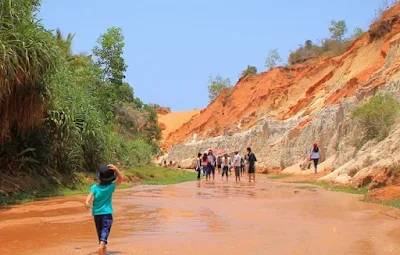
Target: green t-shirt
102	203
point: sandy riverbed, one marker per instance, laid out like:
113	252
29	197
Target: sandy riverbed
208	218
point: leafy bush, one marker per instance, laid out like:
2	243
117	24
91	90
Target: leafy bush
250	70
376	117
129	152
328	48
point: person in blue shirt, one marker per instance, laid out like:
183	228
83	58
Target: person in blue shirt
101	194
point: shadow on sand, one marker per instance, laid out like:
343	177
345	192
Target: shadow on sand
107	253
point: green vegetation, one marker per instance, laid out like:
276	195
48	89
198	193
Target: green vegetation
361	191
273	59
150	175
392	203
315	183
64	114
216	85
162	176
109	56
327	48
336	45
337	30
358	32
249	71
376	117
278	176
329	187
310	188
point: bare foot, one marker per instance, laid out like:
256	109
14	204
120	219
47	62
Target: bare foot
102	248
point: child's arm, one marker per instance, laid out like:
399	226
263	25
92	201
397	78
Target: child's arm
88	200
120	177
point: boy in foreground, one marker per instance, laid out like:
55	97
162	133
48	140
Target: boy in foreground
102	202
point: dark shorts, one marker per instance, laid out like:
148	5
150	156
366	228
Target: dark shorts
252	169
237	170
211	169
103	226
225	171
219	166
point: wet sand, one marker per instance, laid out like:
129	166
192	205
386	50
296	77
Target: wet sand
208	218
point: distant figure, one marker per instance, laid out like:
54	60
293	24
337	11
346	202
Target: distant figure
242	166
212	161
165	163
219	164
102	202
246	163
170	163
204	163
314	156
252	164
226	164
198	165
237	163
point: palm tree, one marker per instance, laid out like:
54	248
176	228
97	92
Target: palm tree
77	62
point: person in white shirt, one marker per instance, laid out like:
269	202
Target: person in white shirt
314	156
237	164
226	164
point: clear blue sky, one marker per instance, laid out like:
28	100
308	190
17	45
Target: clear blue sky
172	46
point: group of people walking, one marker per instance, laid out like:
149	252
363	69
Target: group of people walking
207	163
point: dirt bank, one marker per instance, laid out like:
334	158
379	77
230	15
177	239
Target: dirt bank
385	194
174	120
208	218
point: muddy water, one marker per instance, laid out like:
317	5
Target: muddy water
208	218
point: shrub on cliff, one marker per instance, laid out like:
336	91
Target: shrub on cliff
377	117
250	70
336	45
327	48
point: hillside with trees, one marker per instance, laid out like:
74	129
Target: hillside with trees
63	113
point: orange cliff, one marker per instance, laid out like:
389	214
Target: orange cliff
297	90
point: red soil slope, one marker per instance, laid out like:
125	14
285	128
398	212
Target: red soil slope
298	90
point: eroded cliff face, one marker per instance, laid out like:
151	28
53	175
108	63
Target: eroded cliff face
280	113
